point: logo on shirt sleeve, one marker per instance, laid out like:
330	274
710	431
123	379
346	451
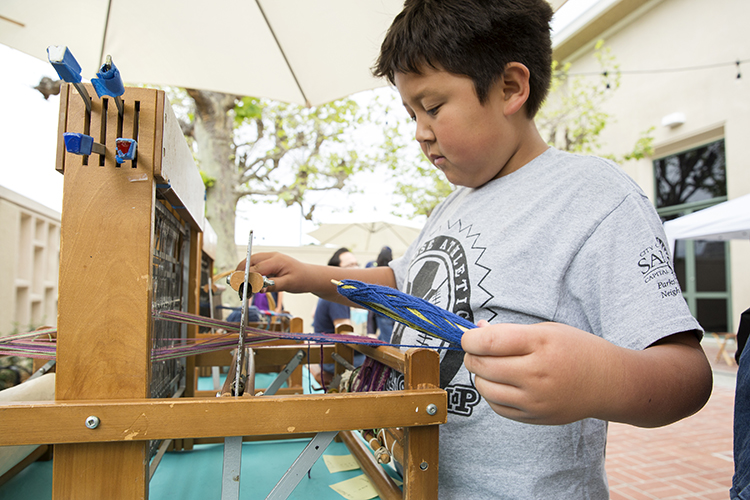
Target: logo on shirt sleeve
656	268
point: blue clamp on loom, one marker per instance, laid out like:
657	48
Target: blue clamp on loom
109	83
82	144
68	70
125	149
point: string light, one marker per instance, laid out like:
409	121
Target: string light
736	63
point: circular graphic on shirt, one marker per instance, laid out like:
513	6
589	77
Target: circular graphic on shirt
441	273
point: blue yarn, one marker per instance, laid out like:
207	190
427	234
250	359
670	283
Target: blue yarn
412	311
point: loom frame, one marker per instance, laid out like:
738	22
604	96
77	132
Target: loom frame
106	289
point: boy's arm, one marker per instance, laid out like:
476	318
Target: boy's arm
291	275
552	374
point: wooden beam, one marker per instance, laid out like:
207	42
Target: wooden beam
144	419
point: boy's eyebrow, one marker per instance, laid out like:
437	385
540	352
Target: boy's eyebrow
418	97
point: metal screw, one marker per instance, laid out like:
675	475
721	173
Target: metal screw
423	465
431	409
92	422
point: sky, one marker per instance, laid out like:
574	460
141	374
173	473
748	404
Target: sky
28	139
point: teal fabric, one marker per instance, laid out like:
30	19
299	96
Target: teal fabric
196	474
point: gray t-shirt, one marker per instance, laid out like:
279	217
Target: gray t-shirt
566	238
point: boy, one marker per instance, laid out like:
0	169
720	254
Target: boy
559	259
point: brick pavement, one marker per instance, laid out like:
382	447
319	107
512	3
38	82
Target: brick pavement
690	459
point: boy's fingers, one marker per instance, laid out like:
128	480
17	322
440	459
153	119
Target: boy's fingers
497	340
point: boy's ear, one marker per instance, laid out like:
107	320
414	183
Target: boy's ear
515	87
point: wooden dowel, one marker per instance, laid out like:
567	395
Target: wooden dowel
383	483
388	355
250	382
381	453
395	433
394	442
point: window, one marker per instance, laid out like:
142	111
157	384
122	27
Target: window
697	175
685	182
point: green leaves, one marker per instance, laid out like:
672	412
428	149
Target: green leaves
574	115
246	110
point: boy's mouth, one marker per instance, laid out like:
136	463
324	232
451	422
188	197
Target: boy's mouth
437	160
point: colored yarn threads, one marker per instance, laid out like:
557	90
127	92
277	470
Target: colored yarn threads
411	311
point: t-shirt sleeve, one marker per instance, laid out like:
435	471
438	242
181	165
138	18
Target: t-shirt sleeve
622	279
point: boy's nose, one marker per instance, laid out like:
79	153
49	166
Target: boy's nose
423	133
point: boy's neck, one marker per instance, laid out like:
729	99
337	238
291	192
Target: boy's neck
530	146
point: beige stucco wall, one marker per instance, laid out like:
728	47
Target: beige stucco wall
663	34
29	260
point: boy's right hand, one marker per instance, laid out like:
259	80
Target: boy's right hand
291	275
287	273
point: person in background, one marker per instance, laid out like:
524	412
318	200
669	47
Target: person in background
372	316
260	300
329	315
741	480
384	323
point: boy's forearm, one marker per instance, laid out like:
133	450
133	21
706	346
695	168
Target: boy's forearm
291	275
322	275
659	385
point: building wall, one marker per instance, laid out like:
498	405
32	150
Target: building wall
664	34
29	260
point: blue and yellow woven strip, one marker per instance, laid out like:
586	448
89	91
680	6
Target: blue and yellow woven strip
411	311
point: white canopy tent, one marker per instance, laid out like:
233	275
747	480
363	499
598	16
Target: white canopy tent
726	221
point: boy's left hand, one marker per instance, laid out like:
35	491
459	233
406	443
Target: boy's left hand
551	374
547	373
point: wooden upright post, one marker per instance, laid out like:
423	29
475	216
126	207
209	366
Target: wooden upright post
104	321
422	443
106	276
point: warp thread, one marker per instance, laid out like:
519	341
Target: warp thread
411	311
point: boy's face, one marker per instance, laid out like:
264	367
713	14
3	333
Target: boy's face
469	142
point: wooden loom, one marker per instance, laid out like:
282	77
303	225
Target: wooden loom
119	263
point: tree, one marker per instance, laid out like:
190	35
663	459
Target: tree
573	116
571	119
270	151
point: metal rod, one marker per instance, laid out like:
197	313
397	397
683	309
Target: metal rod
284	375
243	321
230	480
301	465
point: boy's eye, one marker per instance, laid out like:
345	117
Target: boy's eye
433	111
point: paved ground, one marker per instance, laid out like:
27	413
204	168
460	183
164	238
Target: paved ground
691	459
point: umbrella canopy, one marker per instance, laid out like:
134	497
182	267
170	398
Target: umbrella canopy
725	221
304	51
366	236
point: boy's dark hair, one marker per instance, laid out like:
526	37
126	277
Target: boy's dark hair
474	38
335	259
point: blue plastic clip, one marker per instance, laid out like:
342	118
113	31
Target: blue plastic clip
68	70
125	149
81	144
109	83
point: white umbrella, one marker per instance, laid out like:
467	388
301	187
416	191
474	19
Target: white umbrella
303	51
367	236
